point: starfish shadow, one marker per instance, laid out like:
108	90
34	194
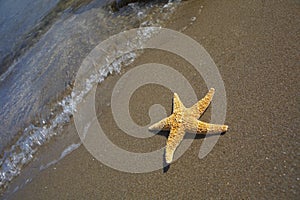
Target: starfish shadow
190	135
166	166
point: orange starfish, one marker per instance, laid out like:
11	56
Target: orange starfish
186	120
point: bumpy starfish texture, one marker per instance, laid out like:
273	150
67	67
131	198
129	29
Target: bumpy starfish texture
184	120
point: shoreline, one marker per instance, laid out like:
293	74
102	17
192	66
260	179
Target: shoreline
47	110
256	158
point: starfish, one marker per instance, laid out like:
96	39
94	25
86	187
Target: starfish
186	120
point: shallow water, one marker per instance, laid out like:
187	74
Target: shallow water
35	90
16	19
29	74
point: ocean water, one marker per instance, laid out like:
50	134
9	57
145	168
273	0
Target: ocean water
42	45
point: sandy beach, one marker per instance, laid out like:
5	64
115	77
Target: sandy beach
255	45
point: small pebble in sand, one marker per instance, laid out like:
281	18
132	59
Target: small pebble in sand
141	15
193	19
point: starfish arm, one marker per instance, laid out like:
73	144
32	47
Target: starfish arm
164	124
177	104
174	139
210	128
198	109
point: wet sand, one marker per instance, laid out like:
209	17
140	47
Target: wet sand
255	46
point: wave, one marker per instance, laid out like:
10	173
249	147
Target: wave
36	135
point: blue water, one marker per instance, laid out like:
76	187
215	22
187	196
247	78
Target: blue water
17	18
28	83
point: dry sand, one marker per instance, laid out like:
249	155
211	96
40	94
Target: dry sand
255	45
